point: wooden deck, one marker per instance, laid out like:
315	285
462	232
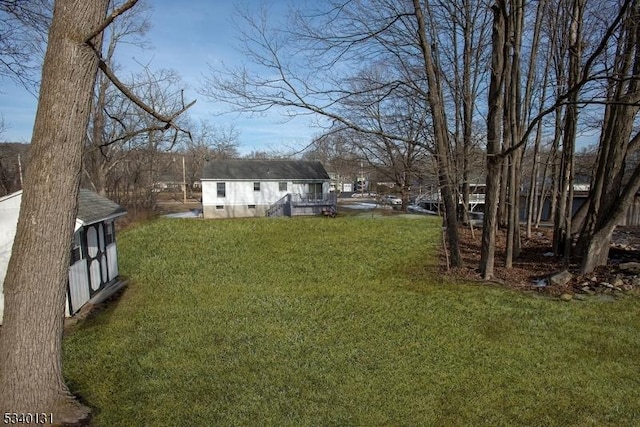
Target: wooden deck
294	204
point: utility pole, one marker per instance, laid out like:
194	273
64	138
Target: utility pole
20	170
361	180
184	182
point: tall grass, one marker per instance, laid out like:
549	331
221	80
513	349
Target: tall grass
312	321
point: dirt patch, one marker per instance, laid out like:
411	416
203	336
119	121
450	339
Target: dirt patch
532	270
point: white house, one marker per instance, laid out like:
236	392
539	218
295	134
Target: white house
93	273
246	188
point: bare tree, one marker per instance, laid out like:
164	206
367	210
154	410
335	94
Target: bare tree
494	138
583	74
13	158
209	142
31	377
337	152
103	150
398	113
463	41
613	188
307	68
45	227
137	140
562	231
23	32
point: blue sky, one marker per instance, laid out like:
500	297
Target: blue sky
185	36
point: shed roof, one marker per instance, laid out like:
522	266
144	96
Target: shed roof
93	207
245	169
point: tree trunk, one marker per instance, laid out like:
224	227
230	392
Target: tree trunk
35	286
528	102
596	251
534	187
514	121
562	231
441	136
494	121
610	197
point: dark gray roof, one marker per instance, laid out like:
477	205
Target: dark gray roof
93	207
264	170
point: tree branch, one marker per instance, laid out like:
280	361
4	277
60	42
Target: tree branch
117	12
575	88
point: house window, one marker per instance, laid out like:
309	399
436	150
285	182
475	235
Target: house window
76	248
221	189
219	207
315	191
251	206
256	186
283	186
109	236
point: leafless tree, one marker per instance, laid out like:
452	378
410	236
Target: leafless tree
103	150
398	113
13	158
141	139
31	377
463	35
209	142
583	73
23	33
614	187
35	383
309	66
336	151
494	139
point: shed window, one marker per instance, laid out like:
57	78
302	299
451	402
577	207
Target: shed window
109	237
222	192
76	248
256	186
283	186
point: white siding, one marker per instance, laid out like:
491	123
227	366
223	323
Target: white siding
242	193
94	265
78	288
103	261
239	195
112	259
9	211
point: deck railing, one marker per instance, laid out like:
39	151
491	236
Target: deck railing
313	198
286	205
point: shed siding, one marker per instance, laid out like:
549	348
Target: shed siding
104	263
78	289
9	211
112	259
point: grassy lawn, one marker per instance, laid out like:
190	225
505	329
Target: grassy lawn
313	321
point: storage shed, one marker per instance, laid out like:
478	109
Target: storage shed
93	273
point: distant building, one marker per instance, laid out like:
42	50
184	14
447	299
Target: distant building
249	188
